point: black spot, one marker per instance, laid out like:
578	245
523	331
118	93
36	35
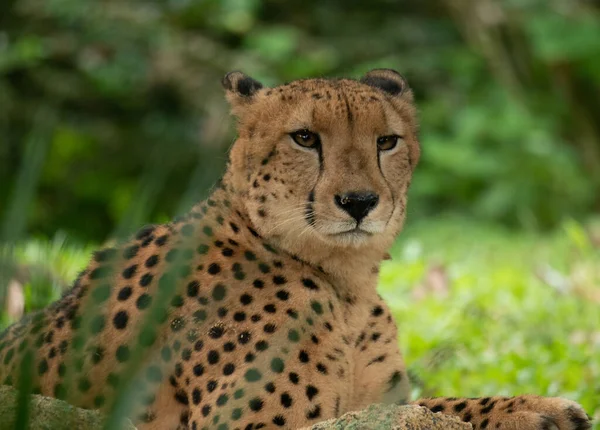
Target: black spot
311	391
488	407
228	369
378	359
377	311
181	397
270	308
256	404
161	240
216	331
213	357
120	320
211	386
270	387
124	293
246	299
193	288
257	283
322	368
196	396
437	408
244	337
239	316
310	284
146	279
129	272
303	356
214	268
262	345
314	413
43	367
294	378
151	261
279	420
198	370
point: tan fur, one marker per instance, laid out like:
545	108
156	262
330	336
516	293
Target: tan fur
258	309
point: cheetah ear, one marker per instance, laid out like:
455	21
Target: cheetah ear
240	89
386	80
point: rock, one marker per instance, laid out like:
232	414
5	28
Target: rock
392	417
46	413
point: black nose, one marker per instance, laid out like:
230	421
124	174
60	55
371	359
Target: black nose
357	205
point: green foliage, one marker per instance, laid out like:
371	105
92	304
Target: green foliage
497	312
133	126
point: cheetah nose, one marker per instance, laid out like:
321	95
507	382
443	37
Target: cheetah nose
357	204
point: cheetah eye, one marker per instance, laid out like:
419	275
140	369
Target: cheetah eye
385	143
306	138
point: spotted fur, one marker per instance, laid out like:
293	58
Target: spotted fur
258	308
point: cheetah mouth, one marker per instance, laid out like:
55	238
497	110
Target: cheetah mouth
355	232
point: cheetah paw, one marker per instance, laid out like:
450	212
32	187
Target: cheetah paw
549	414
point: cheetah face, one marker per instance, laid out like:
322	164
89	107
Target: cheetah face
325	159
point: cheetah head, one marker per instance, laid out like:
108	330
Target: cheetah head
322	161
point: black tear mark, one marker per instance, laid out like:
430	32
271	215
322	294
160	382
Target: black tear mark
309	212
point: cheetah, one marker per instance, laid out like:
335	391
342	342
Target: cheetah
258	308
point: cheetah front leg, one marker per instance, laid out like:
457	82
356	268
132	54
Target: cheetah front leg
525	412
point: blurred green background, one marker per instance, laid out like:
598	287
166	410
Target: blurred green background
112	116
